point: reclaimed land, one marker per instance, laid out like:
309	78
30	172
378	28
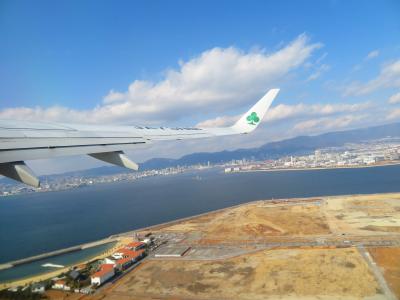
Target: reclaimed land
342	247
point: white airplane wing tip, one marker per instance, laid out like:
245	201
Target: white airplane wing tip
250	120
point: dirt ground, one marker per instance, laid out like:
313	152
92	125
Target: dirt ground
388	259
257	220
358	215
270	274
364	214
59	295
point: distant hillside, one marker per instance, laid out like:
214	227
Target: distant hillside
294	146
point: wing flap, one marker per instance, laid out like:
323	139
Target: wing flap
21	172
117	158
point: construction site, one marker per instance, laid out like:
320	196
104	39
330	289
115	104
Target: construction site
345	247
341	247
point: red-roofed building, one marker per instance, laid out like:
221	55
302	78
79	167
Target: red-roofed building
123	258
123	263
123	252
106	272
135	246
137	255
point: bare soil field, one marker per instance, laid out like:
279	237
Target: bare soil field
269	274
388	259
358	215
364	214
257	220
60	295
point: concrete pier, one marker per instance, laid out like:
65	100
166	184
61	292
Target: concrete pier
55	253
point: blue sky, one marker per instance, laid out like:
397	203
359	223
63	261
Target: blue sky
183	62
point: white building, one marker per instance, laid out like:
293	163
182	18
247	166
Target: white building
38	288
106	272
61	285
110	260
117	255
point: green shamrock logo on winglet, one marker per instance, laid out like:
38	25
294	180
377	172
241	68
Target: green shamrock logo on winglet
253	119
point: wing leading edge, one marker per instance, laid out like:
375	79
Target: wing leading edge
20	141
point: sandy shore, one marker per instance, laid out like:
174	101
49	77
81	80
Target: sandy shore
37	278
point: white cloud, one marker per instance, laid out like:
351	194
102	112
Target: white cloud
218	79
372	54
318	72
389	76
301	110
394	114
394	99
283	111
219	122
321	58
328	123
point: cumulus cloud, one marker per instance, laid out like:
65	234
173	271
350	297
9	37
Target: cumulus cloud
216	80
372	54
301	110
394	99
389	76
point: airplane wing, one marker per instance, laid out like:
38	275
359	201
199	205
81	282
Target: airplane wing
20	140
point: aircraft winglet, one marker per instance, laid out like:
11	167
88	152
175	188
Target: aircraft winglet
250	120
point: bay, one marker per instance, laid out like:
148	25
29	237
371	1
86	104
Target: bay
35	223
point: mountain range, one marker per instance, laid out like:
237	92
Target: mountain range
300	145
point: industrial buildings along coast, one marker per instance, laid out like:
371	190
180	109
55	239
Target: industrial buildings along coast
86	278
372	153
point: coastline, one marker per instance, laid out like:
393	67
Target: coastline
317	168
48	275
119	238
123	238
58	252
221	167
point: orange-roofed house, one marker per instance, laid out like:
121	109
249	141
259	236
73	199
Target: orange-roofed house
106	272
123	263
121	253
136	255
135	246
124	252
128	258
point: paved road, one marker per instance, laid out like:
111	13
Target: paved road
377	273
230	250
